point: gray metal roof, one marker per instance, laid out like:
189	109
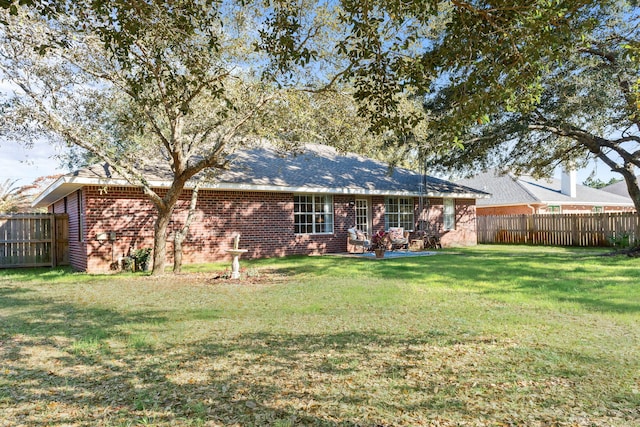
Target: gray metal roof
317	168
511	190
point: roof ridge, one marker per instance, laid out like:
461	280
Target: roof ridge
517	180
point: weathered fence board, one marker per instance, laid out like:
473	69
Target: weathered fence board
598	229
33	240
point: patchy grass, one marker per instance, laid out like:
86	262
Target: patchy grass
494	335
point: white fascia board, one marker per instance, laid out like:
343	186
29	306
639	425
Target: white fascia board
51	191
72	183
574	202
505	205
508	205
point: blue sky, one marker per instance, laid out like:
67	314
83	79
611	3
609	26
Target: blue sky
27	164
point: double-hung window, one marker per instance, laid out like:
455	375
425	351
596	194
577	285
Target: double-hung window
398	212
312	214
449	214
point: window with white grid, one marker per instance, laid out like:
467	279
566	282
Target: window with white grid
312	214
398	212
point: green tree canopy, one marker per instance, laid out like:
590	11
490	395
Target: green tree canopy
525	85
138	82
585	107
598	183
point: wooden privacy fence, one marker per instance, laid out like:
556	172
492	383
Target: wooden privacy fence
34	240
601	229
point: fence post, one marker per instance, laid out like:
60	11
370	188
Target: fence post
575	240
52	219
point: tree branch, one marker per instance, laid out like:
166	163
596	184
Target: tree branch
609	56
592	142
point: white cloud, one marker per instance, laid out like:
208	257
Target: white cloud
27	164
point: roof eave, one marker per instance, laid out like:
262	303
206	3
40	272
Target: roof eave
58	189
68	184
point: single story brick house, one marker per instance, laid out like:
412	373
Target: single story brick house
280	204
524	195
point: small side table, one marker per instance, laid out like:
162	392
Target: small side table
416	245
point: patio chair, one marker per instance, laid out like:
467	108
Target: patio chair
358	239
399	238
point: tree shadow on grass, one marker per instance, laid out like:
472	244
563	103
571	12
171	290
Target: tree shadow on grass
349	378
30	274
44	317
499	276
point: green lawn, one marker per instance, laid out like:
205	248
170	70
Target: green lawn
493	335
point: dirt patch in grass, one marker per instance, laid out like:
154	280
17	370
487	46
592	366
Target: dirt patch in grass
248	276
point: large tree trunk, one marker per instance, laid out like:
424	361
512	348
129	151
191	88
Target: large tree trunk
160	240
165	207
632	185
181	234
177	251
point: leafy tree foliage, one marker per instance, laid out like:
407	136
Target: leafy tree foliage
487	53
598	183
585	107
131	82
14	199
520	84
137	82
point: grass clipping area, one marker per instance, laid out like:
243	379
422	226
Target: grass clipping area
489	336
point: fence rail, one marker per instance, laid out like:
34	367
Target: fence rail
598	229
33	240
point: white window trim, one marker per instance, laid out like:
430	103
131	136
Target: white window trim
365	206
413	215
328	198
452	204
551	211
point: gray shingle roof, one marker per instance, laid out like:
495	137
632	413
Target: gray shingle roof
318	168
619	188
510	190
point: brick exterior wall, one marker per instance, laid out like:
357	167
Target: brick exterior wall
430	219
264	220
74	205
464	232
505	210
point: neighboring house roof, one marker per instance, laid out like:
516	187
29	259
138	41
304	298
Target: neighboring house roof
318	169
509	190
619	188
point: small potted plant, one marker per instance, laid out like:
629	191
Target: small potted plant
379	243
